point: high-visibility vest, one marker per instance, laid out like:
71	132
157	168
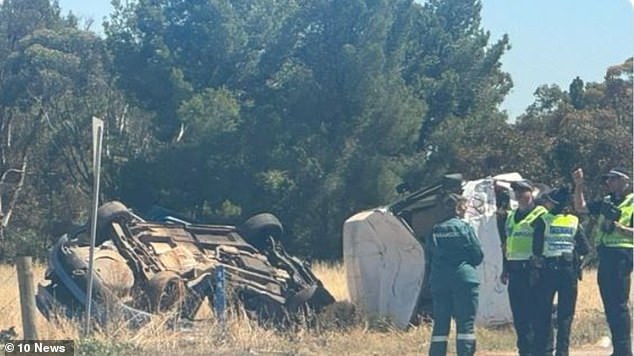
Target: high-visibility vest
519	241
617	238
559	234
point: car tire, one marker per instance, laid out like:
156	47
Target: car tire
260	226
114	272
165	292
106	214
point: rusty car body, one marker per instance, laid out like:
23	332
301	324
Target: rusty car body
169	265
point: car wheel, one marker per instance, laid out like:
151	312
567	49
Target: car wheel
166	292
106	214
114	272
259	227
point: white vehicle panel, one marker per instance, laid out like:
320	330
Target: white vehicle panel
384	264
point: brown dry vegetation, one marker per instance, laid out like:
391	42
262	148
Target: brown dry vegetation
242	336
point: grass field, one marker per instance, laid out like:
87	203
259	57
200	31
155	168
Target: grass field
243	337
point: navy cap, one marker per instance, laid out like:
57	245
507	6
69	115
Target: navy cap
617	172
522	185
558	196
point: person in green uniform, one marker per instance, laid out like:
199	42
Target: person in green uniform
454	252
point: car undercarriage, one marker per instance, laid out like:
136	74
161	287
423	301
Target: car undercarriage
172	266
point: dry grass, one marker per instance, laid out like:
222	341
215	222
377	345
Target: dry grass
334	277
589	324
10	308
244	337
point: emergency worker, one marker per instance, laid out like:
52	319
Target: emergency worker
557	249
613	233
517	244
454	251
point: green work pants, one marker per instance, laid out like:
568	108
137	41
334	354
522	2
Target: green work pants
460	301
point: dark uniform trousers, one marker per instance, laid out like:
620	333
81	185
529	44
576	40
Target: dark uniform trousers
557	276
521	298
615	266
459	299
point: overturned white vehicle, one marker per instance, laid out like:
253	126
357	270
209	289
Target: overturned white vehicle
383	250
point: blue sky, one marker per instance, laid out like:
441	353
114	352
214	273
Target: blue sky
553	41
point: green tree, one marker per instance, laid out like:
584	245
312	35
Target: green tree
576	93
595	135
311	110
20	114
54	79
452	65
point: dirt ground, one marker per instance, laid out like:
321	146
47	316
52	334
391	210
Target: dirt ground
588	350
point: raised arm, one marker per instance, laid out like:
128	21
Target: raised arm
578	198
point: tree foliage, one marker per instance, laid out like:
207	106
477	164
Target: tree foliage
323	104
310	110
54	79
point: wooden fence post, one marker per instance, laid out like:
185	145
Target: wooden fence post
27	297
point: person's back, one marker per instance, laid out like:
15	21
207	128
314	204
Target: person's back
559	242
455	254
454	251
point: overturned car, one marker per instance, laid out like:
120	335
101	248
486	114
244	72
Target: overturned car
384	249
168	265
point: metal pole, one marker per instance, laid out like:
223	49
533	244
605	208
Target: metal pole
97	135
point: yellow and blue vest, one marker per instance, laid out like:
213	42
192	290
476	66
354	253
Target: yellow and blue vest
617	238
519	241
559	234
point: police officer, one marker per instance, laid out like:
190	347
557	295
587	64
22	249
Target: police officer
454	251
559	243
613	233
517	244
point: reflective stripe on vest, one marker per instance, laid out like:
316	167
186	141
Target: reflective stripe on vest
617	238
519	243
559	234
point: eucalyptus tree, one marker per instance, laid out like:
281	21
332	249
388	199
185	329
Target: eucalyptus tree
589	126
598	135
54	78
20	107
